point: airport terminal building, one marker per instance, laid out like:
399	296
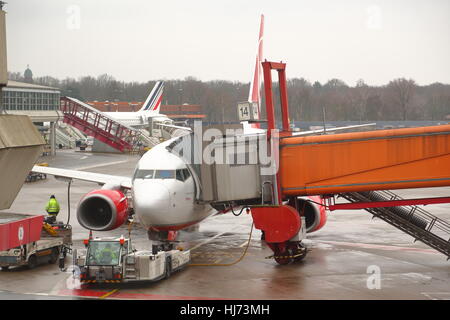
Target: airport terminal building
40	103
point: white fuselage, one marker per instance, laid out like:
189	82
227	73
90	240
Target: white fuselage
139	118
164	191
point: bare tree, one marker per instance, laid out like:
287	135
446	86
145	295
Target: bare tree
299	96
362	91
401	92
401	99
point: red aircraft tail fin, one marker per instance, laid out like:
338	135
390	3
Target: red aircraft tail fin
254	94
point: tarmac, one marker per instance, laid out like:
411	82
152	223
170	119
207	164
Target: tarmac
354	257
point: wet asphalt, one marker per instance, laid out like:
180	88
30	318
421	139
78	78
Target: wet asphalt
354	257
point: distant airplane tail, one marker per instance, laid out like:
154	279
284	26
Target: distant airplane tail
254	94
153	101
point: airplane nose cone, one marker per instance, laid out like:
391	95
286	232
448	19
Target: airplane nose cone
151	201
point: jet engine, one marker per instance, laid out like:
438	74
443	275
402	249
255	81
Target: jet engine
102	210
315	214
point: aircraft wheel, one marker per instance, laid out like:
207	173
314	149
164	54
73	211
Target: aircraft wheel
300	250
53	256
283	256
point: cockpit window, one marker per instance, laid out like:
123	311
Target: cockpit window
164	174
187	174
183	174
154	174
180	175
144	174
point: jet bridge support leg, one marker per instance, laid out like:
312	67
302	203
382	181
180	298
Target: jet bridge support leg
282	225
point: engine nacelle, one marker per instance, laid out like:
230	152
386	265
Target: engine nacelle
315	215
102	210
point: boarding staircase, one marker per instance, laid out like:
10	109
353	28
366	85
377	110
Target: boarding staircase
416	222
147	139
73	132
102	127
62	137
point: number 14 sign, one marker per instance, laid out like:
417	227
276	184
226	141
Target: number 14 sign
248	111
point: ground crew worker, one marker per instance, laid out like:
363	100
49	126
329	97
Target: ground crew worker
52	209
107	255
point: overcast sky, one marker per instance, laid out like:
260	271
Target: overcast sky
141	40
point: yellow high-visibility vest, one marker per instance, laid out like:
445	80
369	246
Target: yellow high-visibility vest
52	206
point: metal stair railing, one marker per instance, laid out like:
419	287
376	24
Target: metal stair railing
63	138
75	133
413	220
98	125
148	140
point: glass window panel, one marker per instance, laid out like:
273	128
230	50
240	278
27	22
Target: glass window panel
180	175
165	174
144	174
103	253
187	174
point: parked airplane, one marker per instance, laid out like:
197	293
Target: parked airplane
163	190
150	109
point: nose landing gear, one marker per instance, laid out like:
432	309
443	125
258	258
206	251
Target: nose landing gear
165	239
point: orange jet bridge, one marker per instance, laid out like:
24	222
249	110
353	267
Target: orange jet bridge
363	161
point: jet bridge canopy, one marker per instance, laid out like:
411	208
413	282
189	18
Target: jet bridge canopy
363	161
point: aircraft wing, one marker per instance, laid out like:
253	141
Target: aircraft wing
333	130
124	182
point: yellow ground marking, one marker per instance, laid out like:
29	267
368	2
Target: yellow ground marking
109	293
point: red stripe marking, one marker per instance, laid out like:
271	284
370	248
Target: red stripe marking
157	103
124	295
81	293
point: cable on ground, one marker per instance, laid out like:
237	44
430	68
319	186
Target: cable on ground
227	264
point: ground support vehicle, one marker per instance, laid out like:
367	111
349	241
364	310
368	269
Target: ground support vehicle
114	260
25	240
33	176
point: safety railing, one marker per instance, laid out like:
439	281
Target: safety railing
98	125
413	220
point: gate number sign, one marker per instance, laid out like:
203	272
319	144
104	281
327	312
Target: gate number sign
248	111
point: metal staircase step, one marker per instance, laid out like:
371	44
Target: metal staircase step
418	223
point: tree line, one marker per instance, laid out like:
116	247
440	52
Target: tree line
400	99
